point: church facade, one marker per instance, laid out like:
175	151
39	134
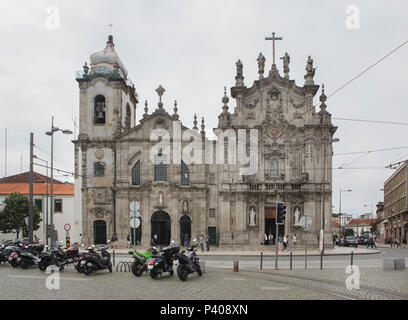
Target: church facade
158	180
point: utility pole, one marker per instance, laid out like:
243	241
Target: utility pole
30	205
5	152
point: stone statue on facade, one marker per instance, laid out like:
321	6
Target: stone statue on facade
185	206
310	72
286	61
252	216
261	65
161	199
297	216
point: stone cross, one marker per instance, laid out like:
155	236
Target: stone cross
273	38
110	27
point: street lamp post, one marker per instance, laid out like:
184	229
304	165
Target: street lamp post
51	133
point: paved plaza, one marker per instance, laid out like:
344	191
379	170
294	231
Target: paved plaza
220	282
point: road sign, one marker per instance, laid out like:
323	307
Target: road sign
135	222
67	227
68	241
305	222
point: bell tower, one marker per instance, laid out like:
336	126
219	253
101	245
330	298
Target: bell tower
108	99
107	108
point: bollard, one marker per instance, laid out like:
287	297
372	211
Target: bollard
291	260
235	266
113	256
261	259
321	260
352	254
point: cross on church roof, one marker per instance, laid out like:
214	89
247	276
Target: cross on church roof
160	91
273	38
110	27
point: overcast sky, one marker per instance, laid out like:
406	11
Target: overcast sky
190	47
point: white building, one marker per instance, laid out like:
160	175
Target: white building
64	204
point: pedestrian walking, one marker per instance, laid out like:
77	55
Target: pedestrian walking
404	242
270	238
128	241
280	242
207	242
266	241
294	240
285	242
115	241
202	243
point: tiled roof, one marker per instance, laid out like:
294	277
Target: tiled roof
38	188
25	178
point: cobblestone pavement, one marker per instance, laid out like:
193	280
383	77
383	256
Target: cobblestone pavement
214	284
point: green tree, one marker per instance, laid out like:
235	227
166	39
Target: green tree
349	232
12	218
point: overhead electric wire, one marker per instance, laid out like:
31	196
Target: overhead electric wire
367	69
373	121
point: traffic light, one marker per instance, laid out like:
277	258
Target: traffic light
281	213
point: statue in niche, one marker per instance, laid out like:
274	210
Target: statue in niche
185	206
161	199
252	216
296	215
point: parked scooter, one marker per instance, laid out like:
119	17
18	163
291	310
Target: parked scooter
29	256
164	262
188	262
79	263
140	263
97	262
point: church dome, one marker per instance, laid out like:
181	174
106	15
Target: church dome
104	61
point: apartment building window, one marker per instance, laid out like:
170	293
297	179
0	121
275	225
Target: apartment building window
58	205
38	204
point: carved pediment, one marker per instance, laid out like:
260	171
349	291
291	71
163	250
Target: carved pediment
100	213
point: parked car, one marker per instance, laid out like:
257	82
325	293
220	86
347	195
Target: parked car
349	241
363	241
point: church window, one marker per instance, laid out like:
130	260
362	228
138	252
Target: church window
185	174
160	167
128	117
136	174
99	169
274	167
100	109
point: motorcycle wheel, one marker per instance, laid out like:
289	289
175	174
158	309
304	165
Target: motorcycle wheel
154	274
80	269
43	265
89	269
171	273
14	263
182	273
137	269
110	267
199	271
24	264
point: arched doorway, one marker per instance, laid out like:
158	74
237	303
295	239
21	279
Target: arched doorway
161	227
185	228
99	232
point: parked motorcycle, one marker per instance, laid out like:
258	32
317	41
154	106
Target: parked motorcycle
29	256
79	263
164	262
188	262
97	262
140	263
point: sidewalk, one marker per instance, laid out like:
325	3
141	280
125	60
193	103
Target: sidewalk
268	251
